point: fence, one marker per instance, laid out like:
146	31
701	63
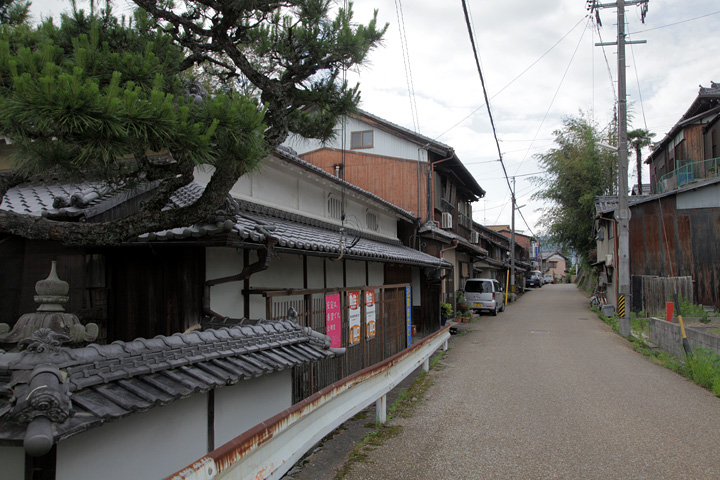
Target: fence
688	173
651	293
390	330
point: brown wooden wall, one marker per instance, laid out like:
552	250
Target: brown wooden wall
395	180
670	243
129	292
154	291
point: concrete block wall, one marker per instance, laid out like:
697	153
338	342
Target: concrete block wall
667	336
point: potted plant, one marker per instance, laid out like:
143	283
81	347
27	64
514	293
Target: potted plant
462	303
446	312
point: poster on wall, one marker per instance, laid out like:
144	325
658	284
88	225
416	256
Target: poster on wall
370	314
354	317
408	315
333	324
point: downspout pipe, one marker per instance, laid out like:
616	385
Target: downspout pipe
263	263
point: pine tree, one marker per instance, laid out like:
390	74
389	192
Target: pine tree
94	95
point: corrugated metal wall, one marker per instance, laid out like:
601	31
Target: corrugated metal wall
667	242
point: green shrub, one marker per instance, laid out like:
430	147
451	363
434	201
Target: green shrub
704	366
689	309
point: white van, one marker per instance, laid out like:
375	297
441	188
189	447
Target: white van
484	294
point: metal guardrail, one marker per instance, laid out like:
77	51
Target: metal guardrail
271	448
688	173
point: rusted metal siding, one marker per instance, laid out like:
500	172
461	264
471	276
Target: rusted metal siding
669	243
395	180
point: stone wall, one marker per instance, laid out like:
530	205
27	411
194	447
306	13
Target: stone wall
667	337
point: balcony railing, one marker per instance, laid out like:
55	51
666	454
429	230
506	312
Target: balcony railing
688	173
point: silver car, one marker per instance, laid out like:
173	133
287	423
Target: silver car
484	294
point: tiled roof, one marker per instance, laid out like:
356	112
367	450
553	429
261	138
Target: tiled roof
107	382
605	204
433	228
248	221
52	197
254	223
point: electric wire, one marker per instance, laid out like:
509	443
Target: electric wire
514	79
406	60
557	90
678	23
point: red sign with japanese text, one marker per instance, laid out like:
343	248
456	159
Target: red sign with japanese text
333	321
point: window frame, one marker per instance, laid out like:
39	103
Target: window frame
362	144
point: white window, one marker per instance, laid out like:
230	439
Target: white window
371	220
362	139
334	207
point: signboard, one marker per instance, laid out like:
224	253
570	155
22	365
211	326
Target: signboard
370	314
408	315
354	317
333	322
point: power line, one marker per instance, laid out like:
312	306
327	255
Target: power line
485	95
562	80
406	61
678	23
514	79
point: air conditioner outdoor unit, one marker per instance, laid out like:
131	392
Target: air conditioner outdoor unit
446	220
609	260
474	237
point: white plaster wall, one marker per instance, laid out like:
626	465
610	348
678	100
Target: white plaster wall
312	198
355	273
242	406
149	445
376	271
286	271
316	278
12	461
225	299
278	185
334	274
385	143
706	197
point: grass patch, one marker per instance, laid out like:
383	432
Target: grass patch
612	321
702	367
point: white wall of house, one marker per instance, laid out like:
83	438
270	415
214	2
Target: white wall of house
705	197
12	460
286	271
143	445
384	143
280	184
242	406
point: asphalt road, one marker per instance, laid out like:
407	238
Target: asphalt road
546	390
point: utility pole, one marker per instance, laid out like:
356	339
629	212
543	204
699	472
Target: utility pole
622	214
512	244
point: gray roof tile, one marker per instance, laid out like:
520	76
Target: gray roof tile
108	382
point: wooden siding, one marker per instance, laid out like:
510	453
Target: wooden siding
666	242
394	180
154	291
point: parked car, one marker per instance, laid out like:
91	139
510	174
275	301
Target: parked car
484	295
548	278
534	279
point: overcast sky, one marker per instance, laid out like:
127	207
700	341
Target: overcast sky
540	65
